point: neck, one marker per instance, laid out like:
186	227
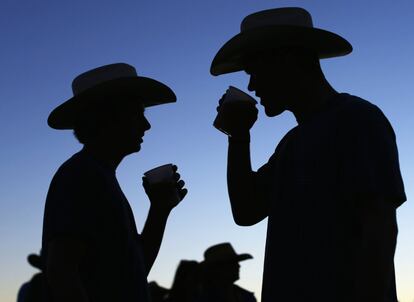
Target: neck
110	157
219	283
312	99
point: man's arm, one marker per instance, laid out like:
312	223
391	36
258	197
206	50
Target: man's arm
161	197
377	219
62	263
371	179
152	235
247	206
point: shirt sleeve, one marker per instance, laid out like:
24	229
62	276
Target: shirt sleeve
263	181
369	165
268	177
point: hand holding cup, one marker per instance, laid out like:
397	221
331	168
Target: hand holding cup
164	187
236	112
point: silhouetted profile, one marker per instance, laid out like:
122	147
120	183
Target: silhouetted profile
187	283
221	269
332	187
33	290
91	246
157	293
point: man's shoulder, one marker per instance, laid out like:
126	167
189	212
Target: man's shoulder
77	169
357	113
247	295
354	106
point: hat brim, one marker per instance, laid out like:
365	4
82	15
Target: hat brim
231	57
35	261
243	257
238	258
143	90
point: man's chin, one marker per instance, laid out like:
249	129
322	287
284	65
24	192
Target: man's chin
271	107
134	149
272	112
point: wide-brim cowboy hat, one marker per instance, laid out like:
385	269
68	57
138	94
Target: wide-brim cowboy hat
35	261
221	253
115	81
275	28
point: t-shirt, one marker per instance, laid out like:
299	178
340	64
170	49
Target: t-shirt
347	149
243	295
85	202
32	291
238	294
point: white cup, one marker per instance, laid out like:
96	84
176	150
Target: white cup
163	174
234	96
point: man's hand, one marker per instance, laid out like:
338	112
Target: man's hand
235	118
166	195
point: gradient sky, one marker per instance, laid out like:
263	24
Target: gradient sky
45	44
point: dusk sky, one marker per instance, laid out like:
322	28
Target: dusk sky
45	44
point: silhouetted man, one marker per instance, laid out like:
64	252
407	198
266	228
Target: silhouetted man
187	282
91	246
33	291
157	292
332	186
221	269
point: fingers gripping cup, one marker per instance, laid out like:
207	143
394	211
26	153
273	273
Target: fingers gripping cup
232	97
164	175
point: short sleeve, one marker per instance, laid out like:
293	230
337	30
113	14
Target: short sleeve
369	165
264	180
269	177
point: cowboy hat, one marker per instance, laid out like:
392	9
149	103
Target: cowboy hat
115	81
35	261
223	252
274	28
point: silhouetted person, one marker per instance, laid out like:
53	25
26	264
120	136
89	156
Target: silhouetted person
221	269
186	284
33	290
332	187
91	246
157	293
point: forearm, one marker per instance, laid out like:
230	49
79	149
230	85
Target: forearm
239	169
152	234
241	183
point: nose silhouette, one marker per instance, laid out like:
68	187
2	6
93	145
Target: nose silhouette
147	125
252	84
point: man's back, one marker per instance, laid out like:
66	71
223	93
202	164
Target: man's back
85	203
344	151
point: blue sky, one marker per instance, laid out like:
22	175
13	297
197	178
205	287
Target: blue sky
45	44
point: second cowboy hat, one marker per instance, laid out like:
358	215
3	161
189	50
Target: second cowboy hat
115	81
35	261
223	252
273	28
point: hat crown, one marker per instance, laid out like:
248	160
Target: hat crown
102	74
219	249
286	16
220	252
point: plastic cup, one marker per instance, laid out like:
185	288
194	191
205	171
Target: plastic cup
235	97
163	174
234	94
